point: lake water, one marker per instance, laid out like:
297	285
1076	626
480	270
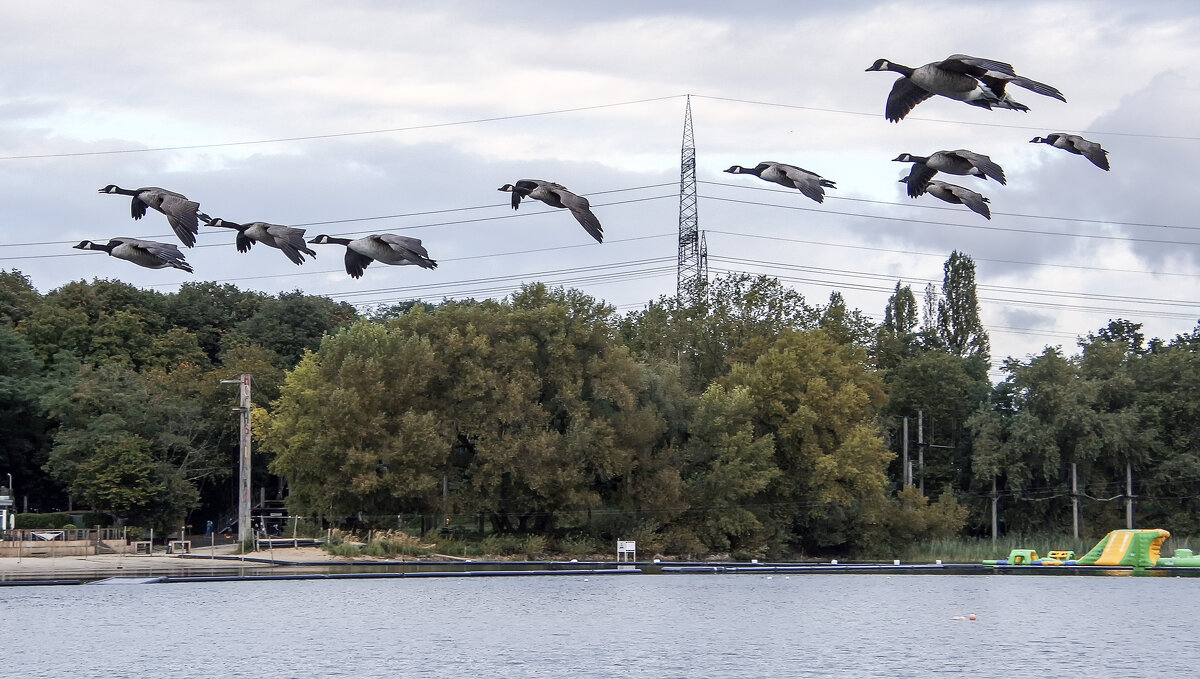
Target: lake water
570	626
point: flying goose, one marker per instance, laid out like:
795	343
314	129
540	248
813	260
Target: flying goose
976	81
286	238
810	184
147	253
386	248
1076	144
180	212
557	195
953	193
962	162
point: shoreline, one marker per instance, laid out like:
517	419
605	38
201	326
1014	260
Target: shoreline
314	563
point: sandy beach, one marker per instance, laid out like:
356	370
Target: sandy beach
42	567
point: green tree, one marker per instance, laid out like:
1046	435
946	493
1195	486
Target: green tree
820	404
112	413
959	326
18	298
1051	413
350	432
528	408
897	338
23	436
1167	380
738	319
291	324
727	467
209	311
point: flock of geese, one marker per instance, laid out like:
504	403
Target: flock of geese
971	80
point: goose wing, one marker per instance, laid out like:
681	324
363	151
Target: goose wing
809	183
999	70
244	242
522	189
407	247
917	178
1089	149
903	98
290	240
982	163
356	262
148	253
972	199
579	206
917	185
181	214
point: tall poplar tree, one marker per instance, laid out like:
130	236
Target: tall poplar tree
959	326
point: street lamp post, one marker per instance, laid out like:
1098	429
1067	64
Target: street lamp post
244	455
12	513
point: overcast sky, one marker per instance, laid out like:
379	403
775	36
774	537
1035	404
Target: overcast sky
377	117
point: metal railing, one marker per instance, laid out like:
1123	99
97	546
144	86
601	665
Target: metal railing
56	534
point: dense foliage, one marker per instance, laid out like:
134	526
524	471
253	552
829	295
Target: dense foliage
751	422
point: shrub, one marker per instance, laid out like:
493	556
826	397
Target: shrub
453	547
503	544
93	519
43	521
533	546
579	545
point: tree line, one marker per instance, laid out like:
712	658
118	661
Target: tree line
738	417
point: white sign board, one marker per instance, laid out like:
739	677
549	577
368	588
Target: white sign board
626	547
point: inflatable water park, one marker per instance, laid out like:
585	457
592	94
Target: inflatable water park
1127	548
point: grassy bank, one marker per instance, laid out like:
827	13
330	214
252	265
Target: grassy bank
398	544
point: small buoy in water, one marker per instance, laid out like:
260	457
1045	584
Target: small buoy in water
971	616
958	617
769	577
585	579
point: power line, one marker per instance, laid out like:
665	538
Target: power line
878	114
547	272
942	255
961	226
981	286
923	206
516	116
518	215
849	285
442	260
334	135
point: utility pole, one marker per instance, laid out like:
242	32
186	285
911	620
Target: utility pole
921	448
905	470
243	408
1129	495
1075	499
995	514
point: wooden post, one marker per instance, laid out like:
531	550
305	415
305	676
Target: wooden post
921	447
1075	500
995	516
1129	495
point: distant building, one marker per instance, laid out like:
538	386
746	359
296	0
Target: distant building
7	510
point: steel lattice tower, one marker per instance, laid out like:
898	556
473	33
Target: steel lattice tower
693	255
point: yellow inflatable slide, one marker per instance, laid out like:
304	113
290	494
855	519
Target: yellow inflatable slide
1139	548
